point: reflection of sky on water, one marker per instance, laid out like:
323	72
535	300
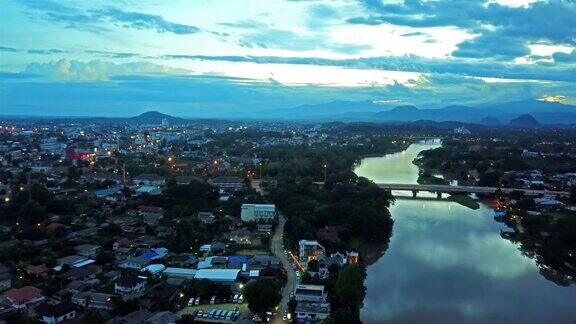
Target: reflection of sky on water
447	263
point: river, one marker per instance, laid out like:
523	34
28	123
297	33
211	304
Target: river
448	264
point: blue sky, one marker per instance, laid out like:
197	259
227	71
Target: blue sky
219	58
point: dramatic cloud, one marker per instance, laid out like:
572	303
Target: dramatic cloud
76	18
142	21
95	70
279	54
489	69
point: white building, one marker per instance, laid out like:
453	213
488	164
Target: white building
308	250
311	303
223	276
257	212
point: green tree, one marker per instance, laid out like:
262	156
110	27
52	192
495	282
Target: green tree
262	295
92	316
313	265
348	294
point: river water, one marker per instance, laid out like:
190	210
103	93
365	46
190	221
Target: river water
448	264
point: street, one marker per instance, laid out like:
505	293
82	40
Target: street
277	248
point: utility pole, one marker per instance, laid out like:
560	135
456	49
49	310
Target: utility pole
260	165
325	169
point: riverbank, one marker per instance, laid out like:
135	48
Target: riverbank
442	253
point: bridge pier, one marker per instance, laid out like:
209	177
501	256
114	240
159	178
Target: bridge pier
414	193
438	195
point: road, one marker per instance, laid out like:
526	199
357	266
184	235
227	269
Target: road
277	248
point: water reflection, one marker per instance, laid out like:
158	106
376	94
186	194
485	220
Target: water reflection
448	263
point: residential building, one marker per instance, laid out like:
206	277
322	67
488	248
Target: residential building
223	276
130	286
257	212
92	300
228	183
88	250
149	179
19	298
311	303
308	250
5	278
56	313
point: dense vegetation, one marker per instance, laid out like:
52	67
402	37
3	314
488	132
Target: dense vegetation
356	206
315	187
551	240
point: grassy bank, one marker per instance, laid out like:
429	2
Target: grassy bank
465	201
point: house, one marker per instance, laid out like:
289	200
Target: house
137	263
313	293
23	297
145	242
149	179
264	228
136	317
228	183
160	295
92	300
308	250
88	250
5	278
130	286
56	313
82	274
57	227
76	261
182	273
258	212
76	286
312	312
163	318
37	271
206	217
121	243
154	254
259	262
185	180
150	214
108	192
240	236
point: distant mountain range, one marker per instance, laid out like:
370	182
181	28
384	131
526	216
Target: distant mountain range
527	121
526	113
154	117
487	114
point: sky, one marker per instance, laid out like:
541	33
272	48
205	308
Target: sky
233	57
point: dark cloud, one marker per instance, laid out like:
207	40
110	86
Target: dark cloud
565	58
551	21
112	54
8	49
32	51
91	20
137	20
44	51
486	46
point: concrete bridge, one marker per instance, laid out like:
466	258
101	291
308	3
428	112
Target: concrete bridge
440	189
